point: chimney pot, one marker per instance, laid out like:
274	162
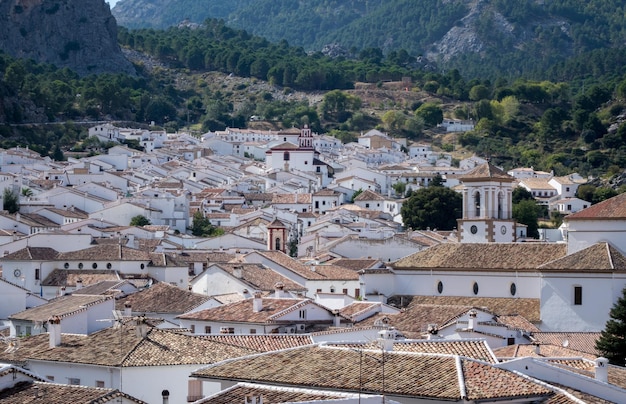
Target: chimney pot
257	303
602	369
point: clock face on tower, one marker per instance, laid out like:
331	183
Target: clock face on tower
503	229
474	229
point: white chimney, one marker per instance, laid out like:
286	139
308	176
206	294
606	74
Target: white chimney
602	369
471	322
337	320
79	283
128	310
278	289
537	348
386	339
257	303
238	272
141	328
54	331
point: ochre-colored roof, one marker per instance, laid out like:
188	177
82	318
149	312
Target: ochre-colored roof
242	391
262	342
63	306
406	374
260	277
579	341
610	209
482	256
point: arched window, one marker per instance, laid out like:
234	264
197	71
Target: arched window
500	205
477	203
277	243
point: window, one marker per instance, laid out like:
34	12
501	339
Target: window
227	330
253	331
345	291
302	314
475	288
207	329
477	203
142	266
510	341
319	290
51	378
513	289
100	383
109	266
37	273
440	287
94	265
357	292
286	156
73	381
277	244
66	265
192	327
18	330
578	295
332	289
80	266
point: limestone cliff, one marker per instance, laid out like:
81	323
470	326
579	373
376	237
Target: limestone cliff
79	34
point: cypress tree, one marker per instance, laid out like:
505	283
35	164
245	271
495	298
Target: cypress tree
612	341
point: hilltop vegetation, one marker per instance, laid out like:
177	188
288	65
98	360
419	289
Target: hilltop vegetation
557	40
212	76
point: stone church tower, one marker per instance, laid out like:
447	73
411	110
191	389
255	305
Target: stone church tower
487	206
277	236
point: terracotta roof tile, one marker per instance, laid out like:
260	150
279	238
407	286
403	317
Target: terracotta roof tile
51	393
540	350
271	394
263	342
369	195
162	298
243	311
406	374
32	253
291	198
610	209
486	171
482	256
61	306
357	264
598	257
68	277
123	347
106	252
260	277
579	341
310	272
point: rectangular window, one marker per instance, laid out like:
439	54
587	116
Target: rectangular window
51	378
319	290
207	329
253	331
302	314
73	381
100	383
345	291
357	292
510	341
578	295
37	273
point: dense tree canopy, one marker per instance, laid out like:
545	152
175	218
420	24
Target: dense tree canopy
435	207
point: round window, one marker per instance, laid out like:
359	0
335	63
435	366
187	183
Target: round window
440	287
513	289
109	266
142	266
80	265
474	229
66	265
94	265
475	288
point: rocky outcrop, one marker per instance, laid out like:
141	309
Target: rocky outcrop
79	34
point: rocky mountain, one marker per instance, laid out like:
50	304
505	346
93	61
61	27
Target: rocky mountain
508	38
78	34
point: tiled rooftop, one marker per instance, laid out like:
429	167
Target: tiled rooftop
500	306
262	342
598	257
610	209
470	348
32	253
243	311
310	272
406	374
486	171
541	350
68	277
51	393
162	298
579	341
105	252
261	277
123	347
485	256
61	306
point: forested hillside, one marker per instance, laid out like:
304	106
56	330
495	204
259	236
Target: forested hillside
481	38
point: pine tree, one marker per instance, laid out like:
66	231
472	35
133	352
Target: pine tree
612	341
